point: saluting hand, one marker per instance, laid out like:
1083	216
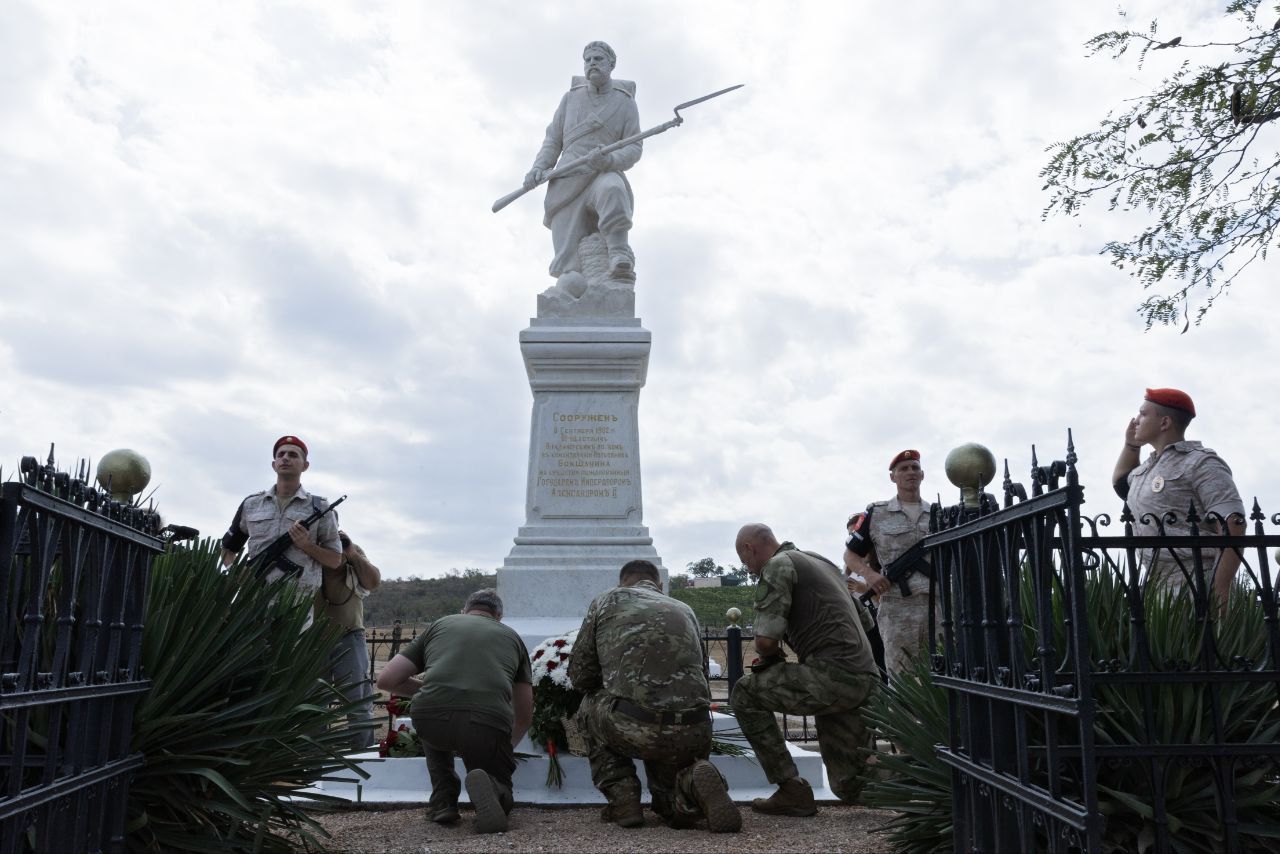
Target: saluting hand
1131	432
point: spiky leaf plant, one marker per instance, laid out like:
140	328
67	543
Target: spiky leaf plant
912	713
237	721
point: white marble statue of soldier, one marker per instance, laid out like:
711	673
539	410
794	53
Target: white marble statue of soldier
596	111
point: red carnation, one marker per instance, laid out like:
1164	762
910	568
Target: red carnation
563	656
559	643
537	655
552	665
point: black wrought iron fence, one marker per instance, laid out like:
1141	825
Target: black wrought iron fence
74	566
1044	705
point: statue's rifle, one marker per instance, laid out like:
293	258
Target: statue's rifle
579	162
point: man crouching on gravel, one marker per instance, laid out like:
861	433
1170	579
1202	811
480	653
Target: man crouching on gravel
474	698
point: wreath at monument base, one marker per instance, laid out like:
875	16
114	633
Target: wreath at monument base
554	700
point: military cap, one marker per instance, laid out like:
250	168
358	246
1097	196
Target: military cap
289	440
904	456
1172	398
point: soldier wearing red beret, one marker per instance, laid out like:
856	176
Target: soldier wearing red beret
890	528
265	515
1177	475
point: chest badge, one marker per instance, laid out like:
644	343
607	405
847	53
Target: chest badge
1157	484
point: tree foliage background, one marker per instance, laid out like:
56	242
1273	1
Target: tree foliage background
1198	159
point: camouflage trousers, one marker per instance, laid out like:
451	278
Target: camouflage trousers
904	627
832	696
668	752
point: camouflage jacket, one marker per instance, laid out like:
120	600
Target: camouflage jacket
801	598
644	646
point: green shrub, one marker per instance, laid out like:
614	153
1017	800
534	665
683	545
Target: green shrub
912	713
710	603
237	721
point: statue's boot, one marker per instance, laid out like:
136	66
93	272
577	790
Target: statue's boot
622	261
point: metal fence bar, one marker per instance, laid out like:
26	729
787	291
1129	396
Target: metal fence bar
1019	656
74	567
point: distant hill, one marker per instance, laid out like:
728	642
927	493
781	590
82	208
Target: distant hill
414	601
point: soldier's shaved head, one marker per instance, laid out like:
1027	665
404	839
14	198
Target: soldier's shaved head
755	545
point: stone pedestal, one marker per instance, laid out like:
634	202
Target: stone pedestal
583	512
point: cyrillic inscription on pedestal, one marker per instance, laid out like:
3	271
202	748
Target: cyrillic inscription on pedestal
586	467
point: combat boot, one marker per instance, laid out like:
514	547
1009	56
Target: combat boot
490	816
713	798
447	814
624	805
794	797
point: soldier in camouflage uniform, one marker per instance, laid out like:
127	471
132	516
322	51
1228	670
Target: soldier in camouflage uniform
889	530
800	598
638	658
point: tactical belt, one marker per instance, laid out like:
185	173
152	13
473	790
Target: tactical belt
648	716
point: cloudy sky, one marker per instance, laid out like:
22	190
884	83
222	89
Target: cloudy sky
221	223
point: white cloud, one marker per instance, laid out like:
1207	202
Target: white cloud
219	226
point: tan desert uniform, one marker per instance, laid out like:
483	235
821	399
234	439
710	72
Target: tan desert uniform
904	620
260	519
1183	474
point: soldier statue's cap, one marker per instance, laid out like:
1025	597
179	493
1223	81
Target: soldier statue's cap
289	440
904	456
1172	398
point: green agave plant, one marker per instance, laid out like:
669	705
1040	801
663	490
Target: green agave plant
237	722
912	713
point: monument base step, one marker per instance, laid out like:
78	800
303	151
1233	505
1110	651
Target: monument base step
405	781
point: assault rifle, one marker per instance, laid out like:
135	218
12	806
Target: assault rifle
900	571
272	557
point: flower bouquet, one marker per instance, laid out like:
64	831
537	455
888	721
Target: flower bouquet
554	698
398	707
401	743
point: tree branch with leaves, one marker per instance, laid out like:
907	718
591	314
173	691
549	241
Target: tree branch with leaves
1199	156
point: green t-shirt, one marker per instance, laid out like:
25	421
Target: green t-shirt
468	662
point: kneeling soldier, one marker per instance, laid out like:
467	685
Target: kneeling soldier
638	658
800	598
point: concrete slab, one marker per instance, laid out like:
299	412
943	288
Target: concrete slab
400	781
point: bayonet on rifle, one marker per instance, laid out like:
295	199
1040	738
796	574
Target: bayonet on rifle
579	162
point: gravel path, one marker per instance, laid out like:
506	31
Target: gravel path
836	828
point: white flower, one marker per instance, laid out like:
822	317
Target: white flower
547	661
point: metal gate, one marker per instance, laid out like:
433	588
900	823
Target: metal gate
74	566
1027	674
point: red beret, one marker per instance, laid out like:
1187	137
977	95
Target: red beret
1172	398
289	440
904	456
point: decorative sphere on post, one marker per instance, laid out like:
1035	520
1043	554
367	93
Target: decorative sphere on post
127	471
970	467
733	615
